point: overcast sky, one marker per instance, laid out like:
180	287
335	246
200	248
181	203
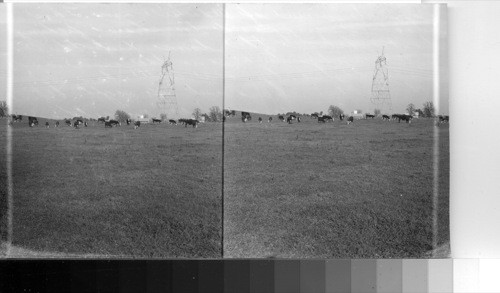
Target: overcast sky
305	57
92	59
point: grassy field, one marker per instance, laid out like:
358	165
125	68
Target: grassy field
333	190
150	192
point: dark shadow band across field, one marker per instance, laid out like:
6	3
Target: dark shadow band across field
148	192
333	190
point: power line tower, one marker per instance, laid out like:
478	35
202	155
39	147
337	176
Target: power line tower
167	100
381	96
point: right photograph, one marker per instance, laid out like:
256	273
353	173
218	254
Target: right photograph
336	132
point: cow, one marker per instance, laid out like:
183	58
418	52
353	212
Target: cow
385	117
129	121
314	116
137	124
32	121
68	122
326	117
47	124
107	124
289	119
350	119
172	121
182	121
17	118
270	119
341	117
229	113
443	119
115	123
76	124
57	123
260	119
282	118
245	116
85	124
101	119
80	121
394	116
404	117
298	119
156	121
192	122
369	116
321	119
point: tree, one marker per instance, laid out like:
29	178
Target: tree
428	110
197	113
4	110
335	111
163	116
121	115
376	112
215	114
410	108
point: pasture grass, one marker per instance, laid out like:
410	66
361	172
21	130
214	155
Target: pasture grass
150	192
333	190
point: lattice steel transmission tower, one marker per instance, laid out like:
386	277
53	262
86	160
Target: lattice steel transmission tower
167	100
381	96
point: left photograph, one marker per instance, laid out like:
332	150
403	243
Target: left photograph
116	130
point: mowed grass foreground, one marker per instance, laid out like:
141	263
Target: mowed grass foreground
333	190
150	192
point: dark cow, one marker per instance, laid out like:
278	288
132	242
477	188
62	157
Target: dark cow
385	117
129	121
321	119
137	124
443	119
107	124
80	121
229	113
326	117
182	121
260	119
394	116
156	121
57	123
47	124
350	119
404	117
341	117
192	122
369	116
245	116
314	115
77	124
171	121
17	118
115	123
32	121
68	122
282	118
270	119
101	119
289	119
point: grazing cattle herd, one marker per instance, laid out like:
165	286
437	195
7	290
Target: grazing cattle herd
245	116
